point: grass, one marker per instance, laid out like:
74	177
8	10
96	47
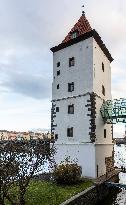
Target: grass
49	193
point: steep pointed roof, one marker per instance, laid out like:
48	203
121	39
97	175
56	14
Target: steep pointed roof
82	31
81	27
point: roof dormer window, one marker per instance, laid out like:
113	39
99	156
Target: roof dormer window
74	34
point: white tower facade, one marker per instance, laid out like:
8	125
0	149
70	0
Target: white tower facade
81	83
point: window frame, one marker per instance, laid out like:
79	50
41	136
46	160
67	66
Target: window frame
74	34
58	72
56	136
70	132
69	109
71	87
71	61
105	133
58	64
57	86
57	109
103	90
103	67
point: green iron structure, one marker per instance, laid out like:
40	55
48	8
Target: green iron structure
114	111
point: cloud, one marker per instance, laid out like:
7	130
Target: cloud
22	113
118	79
24	49
118	130
31	85
119	90
27	31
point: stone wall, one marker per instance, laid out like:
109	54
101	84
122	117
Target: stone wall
92	109
109	161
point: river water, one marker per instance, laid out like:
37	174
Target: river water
118	198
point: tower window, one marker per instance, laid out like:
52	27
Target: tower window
70	109
70	132
104	133
57	109
58	64
58	86
58	72
71	62
97	171
103	68
103	90
74	34
70	87
56	136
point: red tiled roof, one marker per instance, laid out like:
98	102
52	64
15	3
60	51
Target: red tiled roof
82	27
84	31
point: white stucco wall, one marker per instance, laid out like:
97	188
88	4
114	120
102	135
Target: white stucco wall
81	74
83	153
87	76
99	77
101	152
100	126
87	155
79	120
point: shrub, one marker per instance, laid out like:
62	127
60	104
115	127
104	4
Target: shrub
67	172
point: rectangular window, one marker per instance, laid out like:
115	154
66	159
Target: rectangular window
71	62
103	90
70	109
104	133
56	136
58	86
57	109
103	67
70	132
58	72
58	64
70	87
97	171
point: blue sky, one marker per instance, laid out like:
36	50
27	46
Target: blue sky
28	29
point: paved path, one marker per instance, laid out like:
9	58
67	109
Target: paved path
105	178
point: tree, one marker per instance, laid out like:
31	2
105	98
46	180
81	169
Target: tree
19	162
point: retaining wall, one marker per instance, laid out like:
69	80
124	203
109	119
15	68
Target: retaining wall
92	195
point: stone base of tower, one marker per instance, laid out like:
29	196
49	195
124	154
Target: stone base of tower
91	157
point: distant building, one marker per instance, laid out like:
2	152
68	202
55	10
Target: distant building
19	137
13	135
26	135
3	135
